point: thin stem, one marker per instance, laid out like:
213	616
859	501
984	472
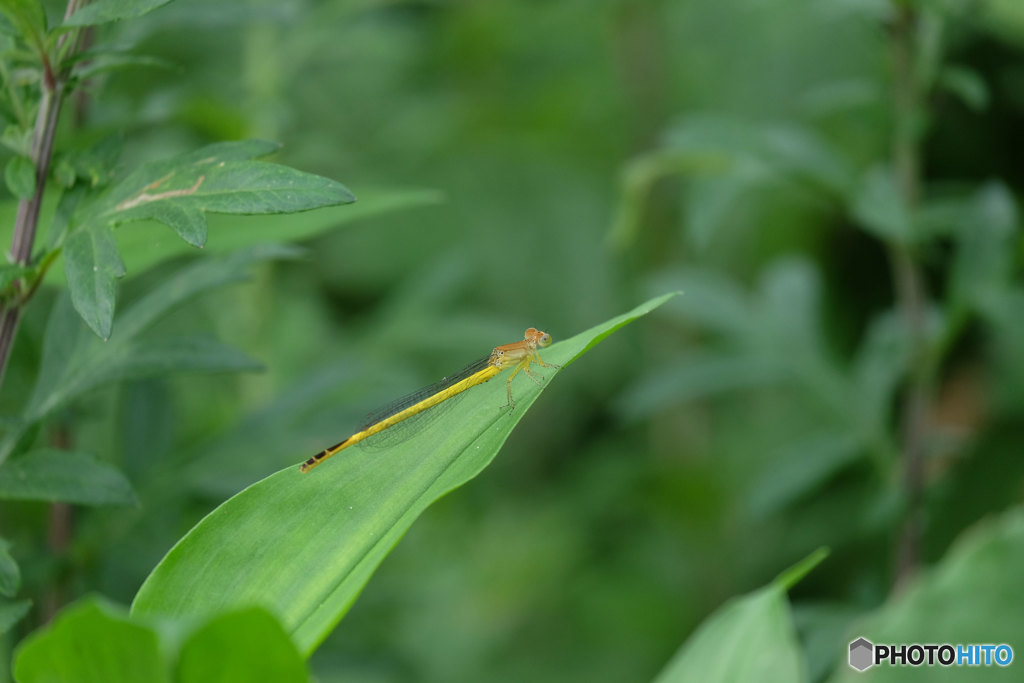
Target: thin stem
28	209
910	291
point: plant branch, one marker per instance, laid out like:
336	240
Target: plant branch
27	219
910	290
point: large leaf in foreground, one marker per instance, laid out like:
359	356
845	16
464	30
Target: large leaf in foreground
974	595
751	638
303	546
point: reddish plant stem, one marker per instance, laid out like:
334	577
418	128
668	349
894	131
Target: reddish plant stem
27	219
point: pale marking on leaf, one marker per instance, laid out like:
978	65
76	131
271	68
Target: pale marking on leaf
144	197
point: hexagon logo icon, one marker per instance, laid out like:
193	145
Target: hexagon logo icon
861	654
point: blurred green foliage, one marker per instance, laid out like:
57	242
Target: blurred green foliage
589	155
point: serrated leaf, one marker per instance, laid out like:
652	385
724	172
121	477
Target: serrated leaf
91	642
105	11
751	638
92	265
220	178
880	209
303	546
53	475
20	176
10	575
240	187
247	645
12	612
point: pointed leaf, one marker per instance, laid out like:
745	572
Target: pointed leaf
188	221
92	264
28	17
303	546
972	596
751	638
105	11
68	476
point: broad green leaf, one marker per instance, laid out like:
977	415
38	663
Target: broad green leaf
303	546
54	475
749	639
880	209
10	575
248	645
92	265
12	612
104	11
20	176
91	642
973	595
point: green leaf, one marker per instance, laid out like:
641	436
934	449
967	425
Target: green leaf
248	645
91	642
144	244
20	176
222	178
92	264
54	475
972	596
63	172
28	17
104	11
10	575
983	264
74	362
749	639
12	612
880	209
96	62
966	84
9	272
188	221
17	139
303	546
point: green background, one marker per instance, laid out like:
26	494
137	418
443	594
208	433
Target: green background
554	164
